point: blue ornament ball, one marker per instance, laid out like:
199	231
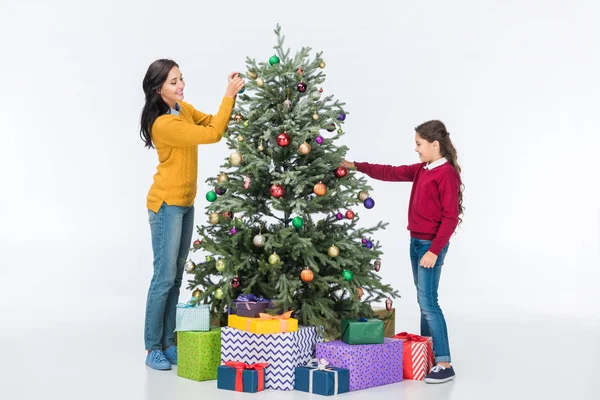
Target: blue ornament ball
369	244
369	203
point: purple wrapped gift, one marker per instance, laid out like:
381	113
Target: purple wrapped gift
370	365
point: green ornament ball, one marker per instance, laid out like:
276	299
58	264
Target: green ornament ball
274	60
348	275
274	259
211	196
298	222
220	265
219	294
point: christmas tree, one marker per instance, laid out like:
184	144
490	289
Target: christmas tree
281	218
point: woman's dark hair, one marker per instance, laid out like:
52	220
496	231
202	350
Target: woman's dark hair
436	130
157	74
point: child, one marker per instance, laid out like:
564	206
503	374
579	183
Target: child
175	129
433	214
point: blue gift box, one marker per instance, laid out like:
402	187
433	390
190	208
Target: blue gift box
226	379
323	380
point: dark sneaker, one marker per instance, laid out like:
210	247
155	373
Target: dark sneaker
440	374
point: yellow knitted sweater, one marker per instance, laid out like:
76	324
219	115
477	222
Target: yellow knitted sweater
176	139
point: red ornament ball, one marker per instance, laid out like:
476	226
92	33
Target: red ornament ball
341	171
277	191
350	214
302	87
283	139
235	282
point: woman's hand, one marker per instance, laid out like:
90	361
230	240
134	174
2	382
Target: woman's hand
349	164
428	260
235	85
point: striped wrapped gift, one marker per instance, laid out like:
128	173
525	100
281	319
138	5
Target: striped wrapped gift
283	351
418	355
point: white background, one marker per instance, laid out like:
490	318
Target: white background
516	83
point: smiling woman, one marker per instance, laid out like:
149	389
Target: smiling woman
175	128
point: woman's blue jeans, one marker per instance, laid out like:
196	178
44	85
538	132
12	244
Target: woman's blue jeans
171	228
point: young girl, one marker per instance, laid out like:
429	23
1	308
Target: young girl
433	215
175	129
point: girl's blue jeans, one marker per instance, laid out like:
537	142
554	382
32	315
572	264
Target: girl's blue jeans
426	281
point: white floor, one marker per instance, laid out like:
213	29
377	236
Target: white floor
494	357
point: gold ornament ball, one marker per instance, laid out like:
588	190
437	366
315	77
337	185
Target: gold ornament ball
274	259
322	64
333	251
213	218
223	178
220	265
260	147
359	292
240	138
259	240
304	148
252	75
260	82
238	118
235	158
196	293
363	195
315	116
219	294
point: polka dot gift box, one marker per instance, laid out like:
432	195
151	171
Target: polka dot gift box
370	365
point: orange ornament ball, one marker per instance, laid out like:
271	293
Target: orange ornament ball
320	189
307	275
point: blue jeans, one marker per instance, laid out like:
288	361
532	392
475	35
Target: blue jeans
171	228
427	280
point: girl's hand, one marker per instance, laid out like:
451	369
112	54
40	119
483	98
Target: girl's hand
235	85
232	75
349	164
428	260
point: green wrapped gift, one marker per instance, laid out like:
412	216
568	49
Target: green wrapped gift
199	354
362	331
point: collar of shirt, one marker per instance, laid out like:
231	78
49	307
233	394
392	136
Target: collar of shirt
437	163
176	110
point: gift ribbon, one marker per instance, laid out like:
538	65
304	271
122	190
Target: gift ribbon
410	337
250	297
283	320
321	365
188	305
239	370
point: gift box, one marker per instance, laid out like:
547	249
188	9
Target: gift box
283	351
319	378
370	365
266	323
389	320
199	354
418	355
241	377
249	305
192	317
362	331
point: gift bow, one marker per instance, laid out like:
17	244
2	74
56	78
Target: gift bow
190	304
239	370
321	365
250	297
410	337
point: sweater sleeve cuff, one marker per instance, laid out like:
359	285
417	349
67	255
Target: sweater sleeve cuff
360	166
436	248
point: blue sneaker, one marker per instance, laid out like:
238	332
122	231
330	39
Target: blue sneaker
156	360
171	354
440	374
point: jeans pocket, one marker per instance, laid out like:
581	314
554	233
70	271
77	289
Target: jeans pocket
151	216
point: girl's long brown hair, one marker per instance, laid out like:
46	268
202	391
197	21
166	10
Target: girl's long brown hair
436	130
